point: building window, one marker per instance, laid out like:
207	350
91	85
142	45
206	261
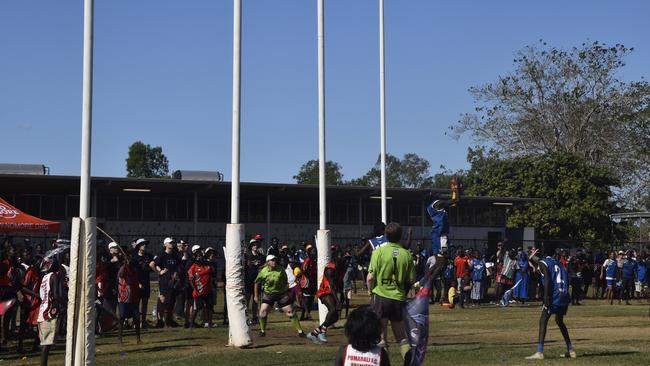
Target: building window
219	211
253	211
179	209
339	213
153	209
280	211
29	204
466	216
371	212
53	207
300	212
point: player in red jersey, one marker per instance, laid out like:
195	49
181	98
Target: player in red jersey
128	296
327	295
200	278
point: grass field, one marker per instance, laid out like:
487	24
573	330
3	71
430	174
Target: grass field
601	334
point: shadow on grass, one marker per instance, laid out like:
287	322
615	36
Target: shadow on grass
148	349
261	346
608	353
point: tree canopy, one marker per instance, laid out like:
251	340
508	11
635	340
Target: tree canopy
308	173
568	102
412	171
576	195
145	161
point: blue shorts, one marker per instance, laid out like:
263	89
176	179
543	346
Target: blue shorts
611	283
558	309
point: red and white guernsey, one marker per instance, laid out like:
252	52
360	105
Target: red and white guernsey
46	311
352	357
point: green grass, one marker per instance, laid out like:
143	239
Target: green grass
601	334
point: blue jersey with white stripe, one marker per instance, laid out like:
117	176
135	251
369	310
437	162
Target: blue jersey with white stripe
478	269
377	241
559	280
610	269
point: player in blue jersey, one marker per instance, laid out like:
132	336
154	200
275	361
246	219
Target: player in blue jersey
555	282
628	274
437	211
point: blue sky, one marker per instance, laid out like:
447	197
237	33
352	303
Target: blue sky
163	76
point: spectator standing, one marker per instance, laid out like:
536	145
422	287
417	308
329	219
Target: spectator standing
521	291
478	276
167	265
144	265
461	267
628	274
608	273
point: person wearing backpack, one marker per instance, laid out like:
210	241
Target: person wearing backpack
556	299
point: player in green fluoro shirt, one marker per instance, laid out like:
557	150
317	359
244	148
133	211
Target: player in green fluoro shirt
273	280
390	276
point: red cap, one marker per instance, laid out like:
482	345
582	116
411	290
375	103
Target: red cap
258	237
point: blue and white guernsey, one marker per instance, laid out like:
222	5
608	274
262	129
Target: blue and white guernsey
377	241
559	281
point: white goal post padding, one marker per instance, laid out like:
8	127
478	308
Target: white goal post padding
80	338
239	331
323	240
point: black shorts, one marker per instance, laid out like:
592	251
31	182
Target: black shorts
201	302
167	291
127	310
388	308
283	299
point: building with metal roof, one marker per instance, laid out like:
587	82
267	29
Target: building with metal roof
198	210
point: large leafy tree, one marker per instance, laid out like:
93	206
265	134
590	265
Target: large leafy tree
412	171
309	173
145	161
570	102
576	195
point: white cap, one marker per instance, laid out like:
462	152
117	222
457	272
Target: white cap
209	249
141	241
168	240
270	257
112	245
253	241
195	248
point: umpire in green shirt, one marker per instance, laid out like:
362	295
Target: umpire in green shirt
390	276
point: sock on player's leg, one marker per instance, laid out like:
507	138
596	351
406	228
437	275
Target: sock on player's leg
262	324
404	348
296	323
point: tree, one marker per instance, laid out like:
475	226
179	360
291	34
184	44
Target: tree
576	195
571	102
411	171
309	173
146	162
